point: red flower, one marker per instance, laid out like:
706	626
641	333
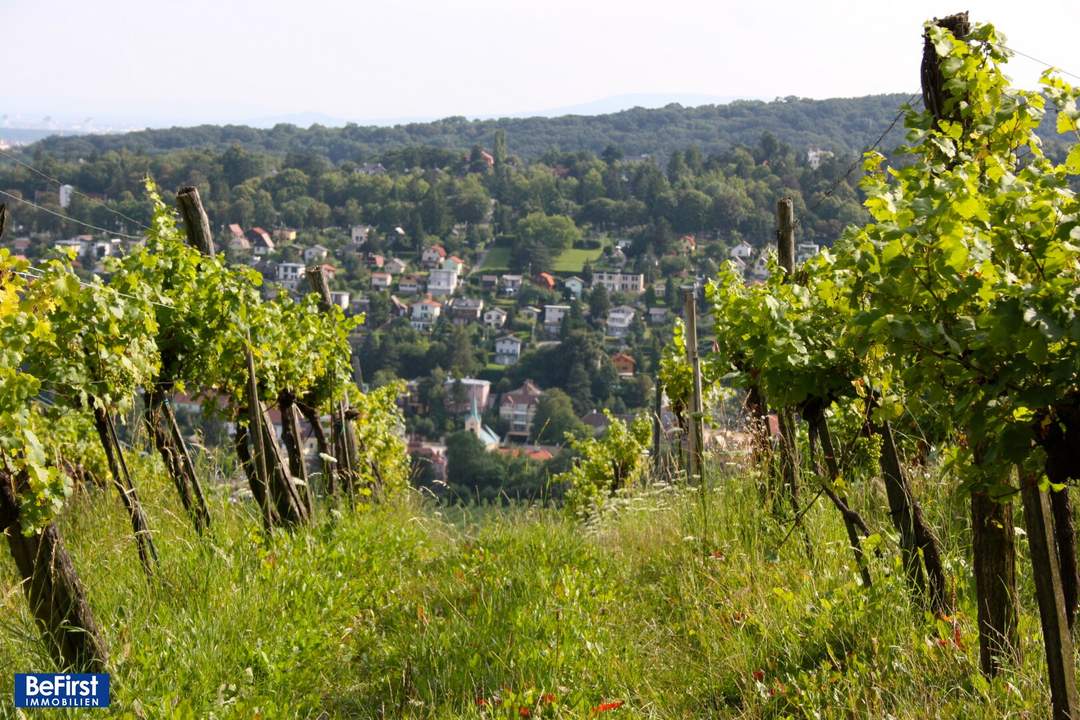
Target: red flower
547	698
759	675
524	711
604	707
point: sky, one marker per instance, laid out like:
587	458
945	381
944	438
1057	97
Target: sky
150	63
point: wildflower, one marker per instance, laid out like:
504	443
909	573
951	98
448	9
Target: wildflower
604	707
481	701
524	712
759	675
548	698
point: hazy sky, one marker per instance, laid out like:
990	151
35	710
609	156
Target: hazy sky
222	60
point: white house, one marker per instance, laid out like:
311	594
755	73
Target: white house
315	254
507	350
518	408
575	286
409	284
380	280
743	251
529	313
424	313
804	251
358	234
442	282
454	263
340	298
495	317
814	156
462	393
553	315
619	281
290	274
509	285
433	256
395	266
619	319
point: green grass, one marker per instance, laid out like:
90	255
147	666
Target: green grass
417	611
498	259
574	259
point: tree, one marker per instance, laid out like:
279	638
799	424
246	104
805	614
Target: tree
555	418
599	303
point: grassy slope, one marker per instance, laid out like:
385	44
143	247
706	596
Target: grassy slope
416	612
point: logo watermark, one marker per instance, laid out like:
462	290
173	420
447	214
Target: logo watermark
61	690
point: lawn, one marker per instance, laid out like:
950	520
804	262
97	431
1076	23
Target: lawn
497	260
574	259
420	611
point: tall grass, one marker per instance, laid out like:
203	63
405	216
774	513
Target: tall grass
418	611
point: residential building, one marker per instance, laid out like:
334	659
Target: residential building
510	285
261	242
814	157
358	234
529	313
658	315
284	236
340	298
545	280
433	256
315	254
375	261
489	282
518	408
442	282
461	393
380	280
619	281
424	313
575	286
625	364
494	317
687	244
398	308
553	315
465	310
619	321
804	251
507	350
395	266
454	263
410	284
743	251
290	274
66	191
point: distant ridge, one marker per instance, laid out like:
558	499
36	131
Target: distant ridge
841	124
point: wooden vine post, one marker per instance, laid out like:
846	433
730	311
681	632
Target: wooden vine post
114	454
342	433
993	546
789	439
1057	638
694	434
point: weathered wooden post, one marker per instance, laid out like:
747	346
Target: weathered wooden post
196	223
114	454
695	435
261	486
789	438
1048	590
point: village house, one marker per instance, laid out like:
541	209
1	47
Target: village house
687	244
518	408
442	282
375	261
804	251
462	393
743	251
410	284
465	310
235	239
488	283
340	298
454	263
507	350
261	242
380	280
78	243
315	254
658	315
358	234
510	285
284	236
625	364
433	256
424	313
395	266
575	286
494	317
529	313
289	274
619	281
398	308
553	316
619	320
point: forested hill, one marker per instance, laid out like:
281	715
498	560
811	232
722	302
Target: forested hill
843	125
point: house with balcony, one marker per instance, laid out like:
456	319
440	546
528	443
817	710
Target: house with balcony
395	266
381	280
424	313
494	318
509	285
553	316
575	286
619	321
290	274
518	408
615	281
442	282
462	393
410	284
508	350
465	310
433	256
315	254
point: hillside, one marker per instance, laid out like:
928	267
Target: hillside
844	125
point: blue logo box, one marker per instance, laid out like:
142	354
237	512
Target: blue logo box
61	690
